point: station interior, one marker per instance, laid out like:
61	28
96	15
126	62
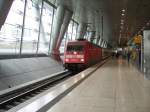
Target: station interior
74	56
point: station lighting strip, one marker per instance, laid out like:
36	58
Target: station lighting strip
122	23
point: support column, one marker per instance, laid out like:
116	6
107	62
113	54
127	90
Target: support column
97	23
81	31
58	21
64	27
102	43
97	36
92	36
100	40
106	44
5	6
92	32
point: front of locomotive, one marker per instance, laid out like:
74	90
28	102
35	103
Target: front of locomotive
74	56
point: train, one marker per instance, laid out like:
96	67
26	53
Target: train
81	54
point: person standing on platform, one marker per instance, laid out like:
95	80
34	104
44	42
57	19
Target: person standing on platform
117	54
113	54
128	56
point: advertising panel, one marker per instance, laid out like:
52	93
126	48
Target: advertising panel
146	51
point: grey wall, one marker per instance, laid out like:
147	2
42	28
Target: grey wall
147	53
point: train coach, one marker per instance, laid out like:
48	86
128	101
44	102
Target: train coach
81	54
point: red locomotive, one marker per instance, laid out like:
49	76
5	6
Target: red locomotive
81	54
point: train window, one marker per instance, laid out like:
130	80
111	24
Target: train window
75	48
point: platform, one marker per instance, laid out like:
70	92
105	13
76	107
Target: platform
15	72
115	87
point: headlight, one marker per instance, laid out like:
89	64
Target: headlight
66	60
82	60
74	52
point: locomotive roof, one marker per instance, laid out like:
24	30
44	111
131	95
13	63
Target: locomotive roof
77	42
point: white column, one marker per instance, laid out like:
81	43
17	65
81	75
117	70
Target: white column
64	27
58	21
81	30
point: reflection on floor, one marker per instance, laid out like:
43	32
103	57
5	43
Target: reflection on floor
115	87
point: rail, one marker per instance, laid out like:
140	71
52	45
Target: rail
13	97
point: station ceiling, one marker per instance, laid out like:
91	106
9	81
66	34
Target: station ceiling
135	17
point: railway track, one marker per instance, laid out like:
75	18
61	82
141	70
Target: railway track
18	96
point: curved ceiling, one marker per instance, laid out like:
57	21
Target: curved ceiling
91	11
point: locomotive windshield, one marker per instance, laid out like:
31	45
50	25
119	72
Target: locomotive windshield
74	48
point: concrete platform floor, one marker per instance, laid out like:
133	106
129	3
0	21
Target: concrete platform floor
115	87
14	72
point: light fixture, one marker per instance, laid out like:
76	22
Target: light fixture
82	60
123	10
122	20
66	60
122	14
74	52
148	24
121	27
122	23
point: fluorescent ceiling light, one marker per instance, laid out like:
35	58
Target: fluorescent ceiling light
123	10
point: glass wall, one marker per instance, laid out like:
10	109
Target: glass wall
36	31
10	33
31	28
37	28
46	25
